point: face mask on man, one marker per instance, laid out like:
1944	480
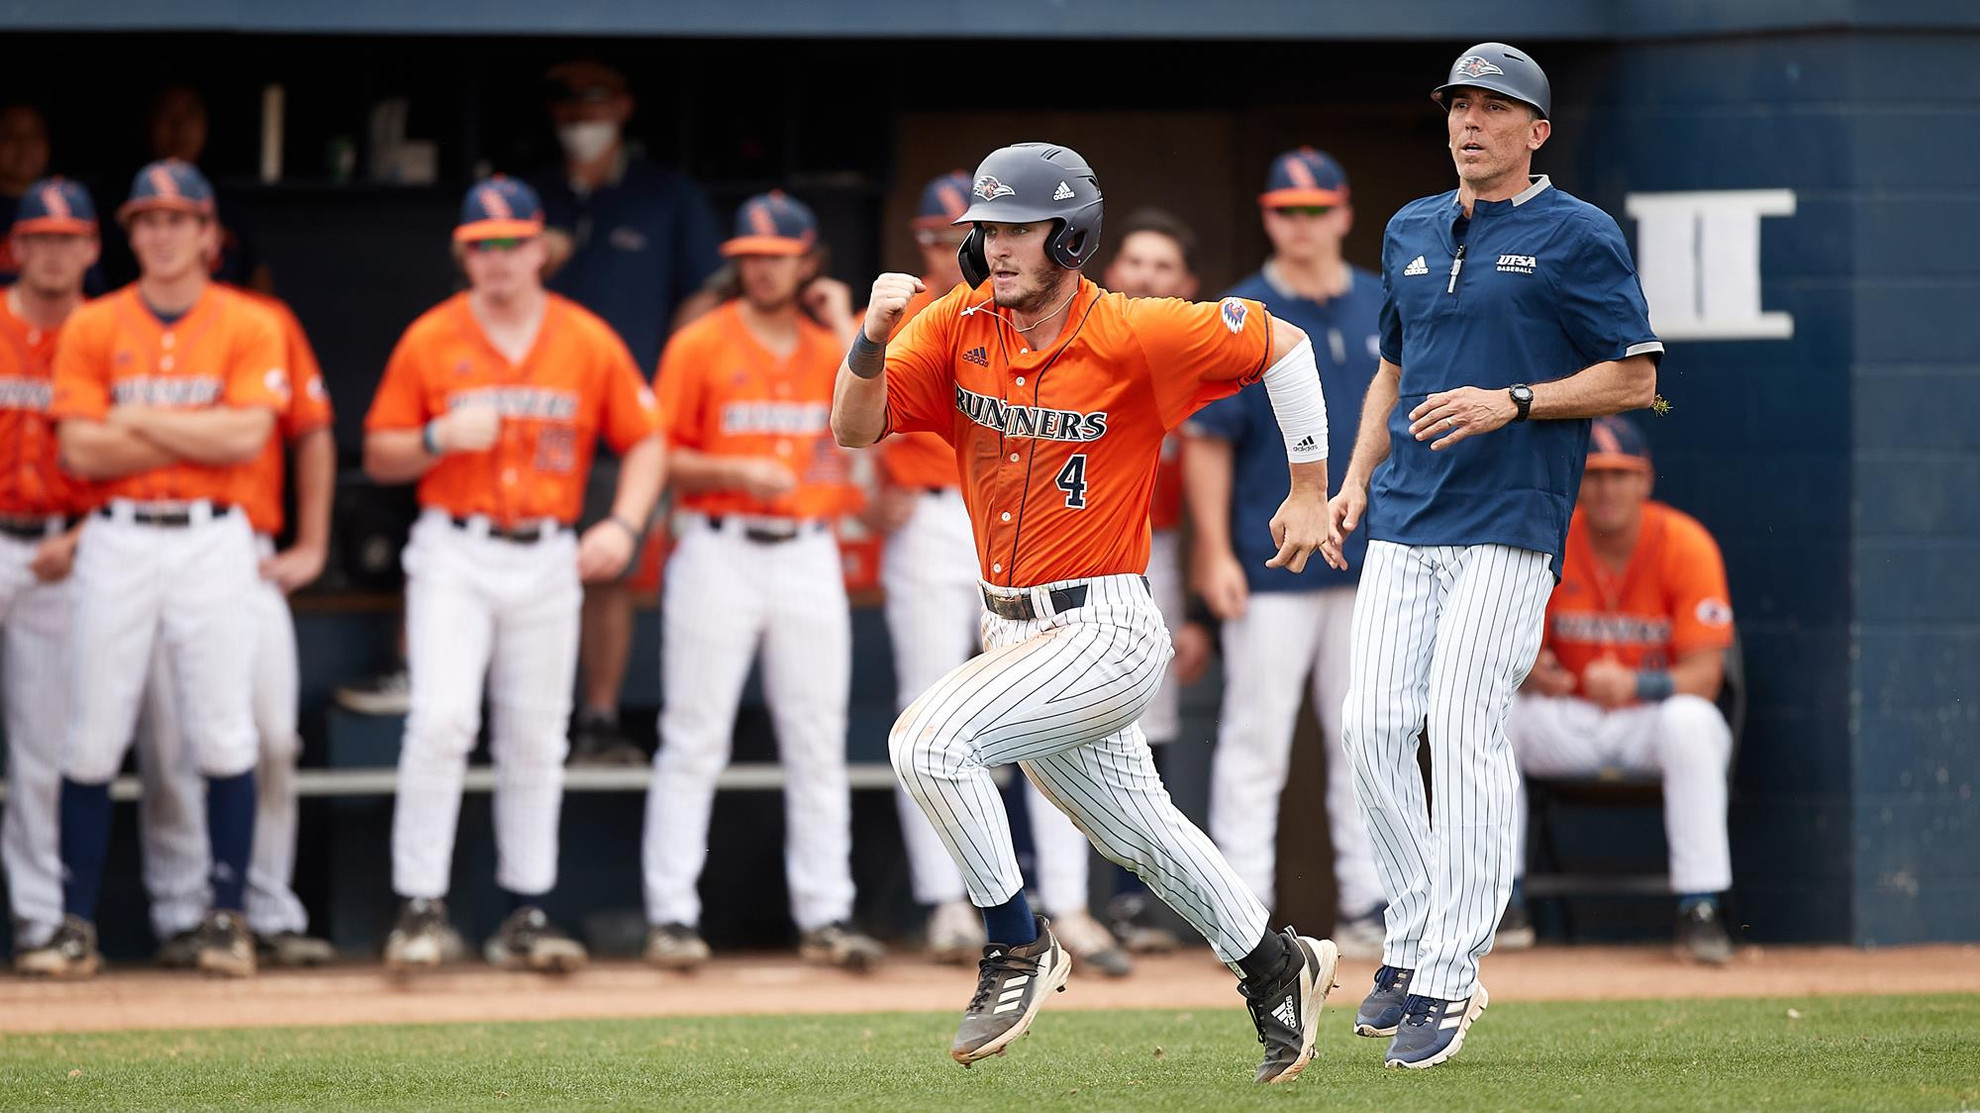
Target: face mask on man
587	139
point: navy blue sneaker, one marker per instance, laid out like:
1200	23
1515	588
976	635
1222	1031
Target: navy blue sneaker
1382	1009
1432	1030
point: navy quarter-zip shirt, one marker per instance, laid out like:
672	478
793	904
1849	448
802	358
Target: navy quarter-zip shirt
1544	288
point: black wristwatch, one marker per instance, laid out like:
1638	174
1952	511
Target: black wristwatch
1522	396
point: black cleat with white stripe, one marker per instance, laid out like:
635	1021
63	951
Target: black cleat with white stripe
1012	984
1287	1011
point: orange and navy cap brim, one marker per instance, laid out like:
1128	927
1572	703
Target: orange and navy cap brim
1617	461
765	245
53	226
497	230
136	205
1285	198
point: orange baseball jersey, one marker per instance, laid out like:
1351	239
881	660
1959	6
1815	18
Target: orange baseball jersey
1670	601
224	351
1058	447
32	482
726	395
308	410
577	382
922	460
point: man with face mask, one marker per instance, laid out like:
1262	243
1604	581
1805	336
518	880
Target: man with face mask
632	242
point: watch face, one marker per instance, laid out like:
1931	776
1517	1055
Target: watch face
1522	394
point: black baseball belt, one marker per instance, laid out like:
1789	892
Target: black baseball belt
767	531
170	517
34	529
1019	608
521	535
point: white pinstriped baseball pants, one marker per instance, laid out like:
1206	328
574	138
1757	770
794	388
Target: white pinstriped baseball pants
935	621
1443	636
1060	695
478	609
34	634
727	598
171	813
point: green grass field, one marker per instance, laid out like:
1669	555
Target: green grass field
1835	1053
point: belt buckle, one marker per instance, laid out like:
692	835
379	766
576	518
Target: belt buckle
765	534
1016	608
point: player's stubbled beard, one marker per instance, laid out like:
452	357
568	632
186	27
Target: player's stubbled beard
770	284
1041	285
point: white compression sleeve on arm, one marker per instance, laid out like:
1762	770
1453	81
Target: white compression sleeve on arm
1293	384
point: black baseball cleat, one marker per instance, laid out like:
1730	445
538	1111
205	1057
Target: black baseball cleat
1011	984
1286	1012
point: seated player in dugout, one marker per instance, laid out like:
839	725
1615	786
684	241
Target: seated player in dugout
1055	396
494	401
746	391
1632	662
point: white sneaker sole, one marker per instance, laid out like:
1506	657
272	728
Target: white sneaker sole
1472	1012
1052	980
1311	997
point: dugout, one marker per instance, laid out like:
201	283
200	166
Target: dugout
1821	362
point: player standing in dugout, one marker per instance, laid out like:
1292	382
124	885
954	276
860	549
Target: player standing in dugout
1056	395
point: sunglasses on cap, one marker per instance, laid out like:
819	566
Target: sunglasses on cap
497	244
933	236
1303	210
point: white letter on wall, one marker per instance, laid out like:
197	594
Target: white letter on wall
1698	255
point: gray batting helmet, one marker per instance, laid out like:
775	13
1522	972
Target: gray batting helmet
1501	69
1028	183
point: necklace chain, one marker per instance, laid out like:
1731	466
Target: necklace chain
1027	328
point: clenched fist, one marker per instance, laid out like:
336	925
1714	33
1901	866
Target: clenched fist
467	429
891	294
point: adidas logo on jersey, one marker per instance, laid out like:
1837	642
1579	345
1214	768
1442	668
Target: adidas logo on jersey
977	356
1063	193
1418	266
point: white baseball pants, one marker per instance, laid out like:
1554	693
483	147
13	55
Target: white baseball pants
480	608
1684	738
1060	696
1443	636
183	590
727	597
1284	642
34	632
1163	719
171	813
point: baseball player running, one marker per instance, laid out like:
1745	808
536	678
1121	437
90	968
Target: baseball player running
746	390
175	853
934	613
1056	396
165	392
53	242
494	400
1284	634
1465	518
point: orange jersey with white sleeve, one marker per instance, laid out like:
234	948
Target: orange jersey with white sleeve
576	383
1058	447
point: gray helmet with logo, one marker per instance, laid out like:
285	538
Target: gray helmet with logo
1501	69
1030	183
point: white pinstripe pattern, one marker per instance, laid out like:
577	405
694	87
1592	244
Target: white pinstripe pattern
482	607
1443	636
726	597
1060	696
171	812
34	683
1163	719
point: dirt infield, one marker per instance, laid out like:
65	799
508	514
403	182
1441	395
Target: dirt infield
361	994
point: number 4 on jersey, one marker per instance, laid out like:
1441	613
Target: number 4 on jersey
1072	480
